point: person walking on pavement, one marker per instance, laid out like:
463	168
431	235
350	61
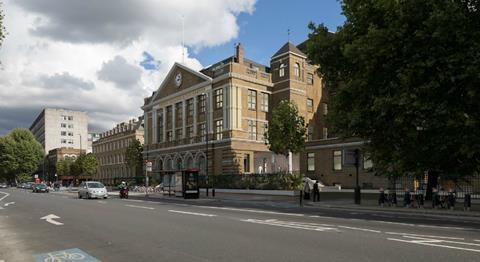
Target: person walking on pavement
316	192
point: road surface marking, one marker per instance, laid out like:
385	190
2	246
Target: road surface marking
73	254
444	227
315	216
50	219
445	241
417	235
6	195
431	242
396	223
101	202
192	213
476	240
295	225
361	229
253	211
151	208
9	203
133	200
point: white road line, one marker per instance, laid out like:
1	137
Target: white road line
6	195
443	227
396	223
295	225
417	235
192	213
9	203
253	211
361	229
445	241
133	200
101	202
151	208
477	240
315	216
434	245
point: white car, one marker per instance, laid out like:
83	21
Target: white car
92	189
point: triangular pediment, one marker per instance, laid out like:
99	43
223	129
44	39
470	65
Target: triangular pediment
188	78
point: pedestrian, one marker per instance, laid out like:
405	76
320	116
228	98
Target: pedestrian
316	192
407	198
435	197
381	198
451	199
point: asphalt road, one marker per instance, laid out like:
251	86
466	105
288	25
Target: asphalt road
136	230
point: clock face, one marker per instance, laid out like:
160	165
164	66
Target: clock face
178	79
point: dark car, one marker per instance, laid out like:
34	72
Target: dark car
40	188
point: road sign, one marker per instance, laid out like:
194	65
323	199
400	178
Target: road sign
149	166
36	176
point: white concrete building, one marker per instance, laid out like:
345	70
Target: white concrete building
56	128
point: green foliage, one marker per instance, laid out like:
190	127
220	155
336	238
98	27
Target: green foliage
20	154
404	75
63	167
84	165
134	156
286	130
22	178
2	27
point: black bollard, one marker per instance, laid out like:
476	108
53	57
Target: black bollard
207	191
213	192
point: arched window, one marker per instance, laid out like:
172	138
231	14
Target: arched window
179	164
296	69
189	162
201	164
281	70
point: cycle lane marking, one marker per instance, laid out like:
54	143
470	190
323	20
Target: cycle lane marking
73	254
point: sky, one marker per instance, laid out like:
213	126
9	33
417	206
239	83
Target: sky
104	57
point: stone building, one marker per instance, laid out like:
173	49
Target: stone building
110	151
57	128
229	104
56	155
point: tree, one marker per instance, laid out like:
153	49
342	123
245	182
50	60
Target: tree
84	165
89	164
404	76
20	154
2	27
286	130
63	167
134	156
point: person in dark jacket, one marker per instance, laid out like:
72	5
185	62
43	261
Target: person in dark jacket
316	192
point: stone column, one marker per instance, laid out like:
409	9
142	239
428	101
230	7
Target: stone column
184	118
195	115
210	101
174	116
164	119
155	127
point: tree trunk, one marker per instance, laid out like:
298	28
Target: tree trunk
431	182
290	163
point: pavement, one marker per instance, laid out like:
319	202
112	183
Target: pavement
37	227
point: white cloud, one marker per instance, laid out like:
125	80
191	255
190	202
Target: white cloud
88	54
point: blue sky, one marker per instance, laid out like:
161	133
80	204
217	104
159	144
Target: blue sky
265	31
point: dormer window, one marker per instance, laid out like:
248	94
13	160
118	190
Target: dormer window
281	70
296	69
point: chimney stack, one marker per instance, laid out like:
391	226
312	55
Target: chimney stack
239	53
